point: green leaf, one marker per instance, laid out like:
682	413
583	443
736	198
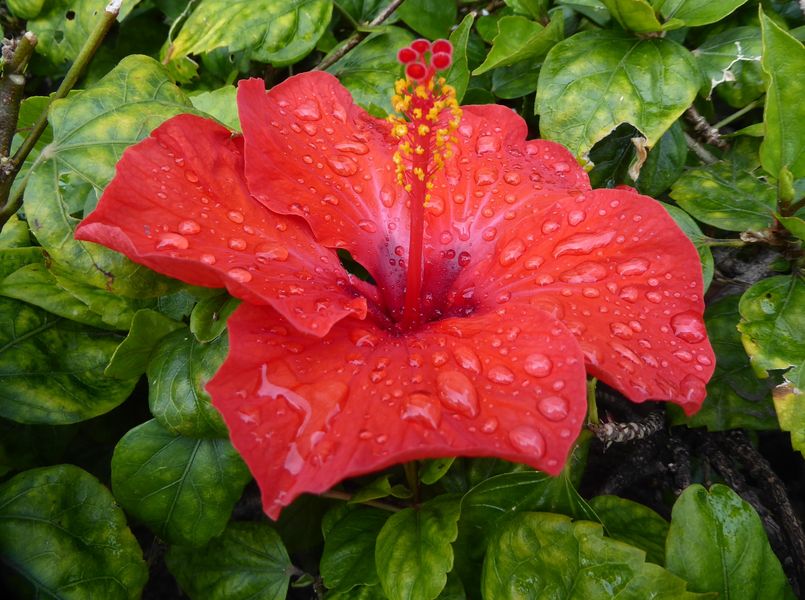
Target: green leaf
280	33
784	114
789	402
208	319
730	60
695	235
183	489
380	488
544	555
413	552
433	470
63	27
459	74
430	18
698	12
178	371
795	225
247	561
592	9
536	9
132	355
595	80
14	259
736	398
91	130
634	15
116	311
364	11
348	559
220	104
363	592
717	543
51	369
726	197
773	325
25	9
521	39
665	162
369	70
63	536
14	234
633	524
515	81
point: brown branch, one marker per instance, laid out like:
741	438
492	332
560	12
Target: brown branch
16	54
706	132
356	38
619	433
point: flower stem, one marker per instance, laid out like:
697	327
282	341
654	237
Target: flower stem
336	495
738	114
82	60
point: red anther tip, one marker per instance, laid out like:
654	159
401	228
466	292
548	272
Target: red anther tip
442	46
441	60
421	46
406	55
416	71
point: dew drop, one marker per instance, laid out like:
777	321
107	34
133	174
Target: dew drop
191	176
684	355
533	262
189	227
341	165
538	365
486	176
240	275
553	408
487	143
172	241
621	330
489	234
367	226
585	272
574	217
235	216
387	196
626	353
439	358
629	294
490	425
549	227
633	266
511	252
237	244
688	327
272	251
363	338
421	408
527	440
294	461
583	243
500	374
464	258
207	259
467	358
353	147
457	393
561	167
693	389
654	297
309	111
512	178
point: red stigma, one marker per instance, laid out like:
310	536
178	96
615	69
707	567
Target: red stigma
423	59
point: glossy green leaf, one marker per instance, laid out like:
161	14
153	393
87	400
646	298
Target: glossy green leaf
736	398
63	536
184	489
717	543
179	369
363	10
633	524
665	162
595	80
348	559
545	555
536	9
433	470
697	12
63	26
459	74
220	104
612	157
279	33
789	402
521	39
131	357
247	561
208	319
695	235
592	9
773	325
413	552
794	225
91	130
730	60
25	9
116	311
14	234
430	18
634	15
363	592
51	369
380	488
370	69
726	197
14	259
783	62
515	81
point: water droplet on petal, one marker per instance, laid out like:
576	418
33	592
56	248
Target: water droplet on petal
423	409
240	275
367	226
655	297
235	216
464	259
633	266
629	294
486	176
583	243
309	111
353	147
341	165
330	199
207	259
387	196
693	389
294	461
467	358
684	355
457	393
439	358
191	177
172	241
533	262
189	227
549	227
490	425
489	234
538	365
363	338
528	440
626	353
688	327
561	167
512	178
574	217
511	252
272	251
500	374
237	244
553	408
585	272
487	143
621	330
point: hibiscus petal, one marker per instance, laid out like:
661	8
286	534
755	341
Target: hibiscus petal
306	413
179	205
310	151
614	267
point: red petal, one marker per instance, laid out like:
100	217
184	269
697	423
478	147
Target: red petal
179	205
312	152
615	268
306	413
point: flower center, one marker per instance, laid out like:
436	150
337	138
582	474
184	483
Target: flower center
428	114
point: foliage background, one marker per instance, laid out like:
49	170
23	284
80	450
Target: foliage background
116	475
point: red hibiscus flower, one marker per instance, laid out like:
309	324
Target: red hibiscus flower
499	278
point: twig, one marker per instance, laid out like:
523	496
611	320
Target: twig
82	60
12	83
707	132
738	113
356	38
700	151
619	433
